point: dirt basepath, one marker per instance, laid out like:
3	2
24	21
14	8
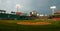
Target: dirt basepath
34	23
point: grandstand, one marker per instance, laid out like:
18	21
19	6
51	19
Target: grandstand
4	16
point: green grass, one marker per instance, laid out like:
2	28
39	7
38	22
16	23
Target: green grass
38	28
10	25
6	25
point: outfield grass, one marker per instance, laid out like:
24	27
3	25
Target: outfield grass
10	25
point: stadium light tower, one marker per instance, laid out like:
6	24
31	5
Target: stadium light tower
53	8
17	6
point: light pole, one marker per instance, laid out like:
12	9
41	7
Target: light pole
53	8
17	6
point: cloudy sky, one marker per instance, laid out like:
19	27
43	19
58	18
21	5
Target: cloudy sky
41	6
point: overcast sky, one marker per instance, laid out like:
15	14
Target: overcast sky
41	6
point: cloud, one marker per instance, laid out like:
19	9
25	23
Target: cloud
28	5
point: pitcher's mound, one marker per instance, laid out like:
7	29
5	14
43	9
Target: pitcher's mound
34	23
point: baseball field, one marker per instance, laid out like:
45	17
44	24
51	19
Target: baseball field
29	25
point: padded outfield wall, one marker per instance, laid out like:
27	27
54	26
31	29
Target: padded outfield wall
15	17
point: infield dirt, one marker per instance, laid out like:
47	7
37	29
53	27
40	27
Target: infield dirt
34	23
